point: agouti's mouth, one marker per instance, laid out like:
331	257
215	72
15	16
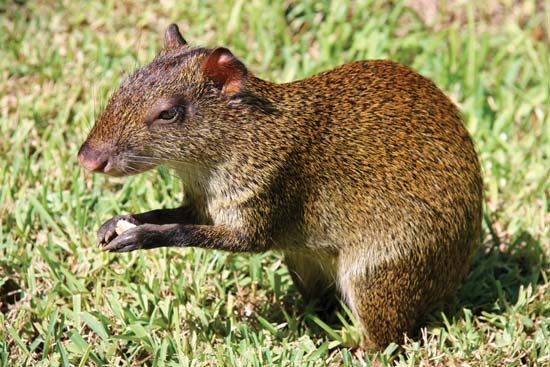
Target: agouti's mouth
110	169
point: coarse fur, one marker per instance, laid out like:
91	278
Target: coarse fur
363	176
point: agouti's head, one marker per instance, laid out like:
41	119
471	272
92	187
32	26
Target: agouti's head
183	107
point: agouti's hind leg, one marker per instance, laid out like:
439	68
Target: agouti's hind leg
383	300
314	277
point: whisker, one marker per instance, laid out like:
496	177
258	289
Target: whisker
160	159
143	158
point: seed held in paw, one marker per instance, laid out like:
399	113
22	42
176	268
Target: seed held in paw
122	226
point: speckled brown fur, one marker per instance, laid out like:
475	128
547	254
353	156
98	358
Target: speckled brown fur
363	176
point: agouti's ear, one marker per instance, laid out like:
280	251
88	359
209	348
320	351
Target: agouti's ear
173	38
227	73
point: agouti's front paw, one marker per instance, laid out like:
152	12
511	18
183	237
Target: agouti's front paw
107	232
144	236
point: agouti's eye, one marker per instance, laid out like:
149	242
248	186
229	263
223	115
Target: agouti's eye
167	111
169	114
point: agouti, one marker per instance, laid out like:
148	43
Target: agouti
364	176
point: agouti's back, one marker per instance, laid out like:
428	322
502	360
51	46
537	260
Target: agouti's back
385	140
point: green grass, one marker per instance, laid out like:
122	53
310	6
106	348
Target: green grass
64	302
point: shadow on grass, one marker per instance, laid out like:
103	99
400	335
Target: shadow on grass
10	293
499	269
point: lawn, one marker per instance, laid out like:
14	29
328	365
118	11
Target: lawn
65	302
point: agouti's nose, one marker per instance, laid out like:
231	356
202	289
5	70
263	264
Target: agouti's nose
92	159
